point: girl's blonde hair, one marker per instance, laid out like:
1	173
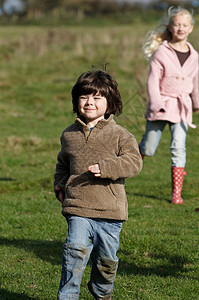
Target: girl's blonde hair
156	36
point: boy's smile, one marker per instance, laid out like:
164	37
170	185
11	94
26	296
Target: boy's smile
92	108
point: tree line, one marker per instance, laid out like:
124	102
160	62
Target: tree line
33	8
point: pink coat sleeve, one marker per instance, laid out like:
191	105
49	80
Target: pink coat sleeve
153	85
195	92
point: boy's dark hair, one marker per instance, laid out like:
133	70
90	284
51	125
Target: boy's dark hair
92	82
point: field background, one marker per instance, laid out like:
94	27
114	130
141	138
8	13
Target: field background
159	243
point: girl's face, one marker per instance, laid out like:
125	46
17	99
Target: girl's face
93	107
180	27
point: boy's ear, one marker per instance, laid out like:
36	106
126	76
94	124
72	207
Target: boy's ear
108	111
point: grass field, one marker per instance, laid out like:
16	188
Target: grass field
158	253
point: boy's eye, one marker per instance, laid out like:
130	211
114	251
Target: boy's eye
98	97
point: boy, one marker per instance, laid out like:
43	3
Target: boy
96	157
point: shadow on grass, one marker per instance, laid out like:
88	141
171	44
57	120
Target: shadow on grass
6	295
50	251
7	179
142	195
174	266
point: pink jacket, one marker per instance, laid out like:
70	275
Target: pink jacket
172	88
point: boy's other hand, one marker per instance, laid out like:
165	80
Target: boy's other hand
95	170
60	194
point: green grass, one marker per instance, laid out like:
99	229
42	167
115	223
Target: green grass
159	243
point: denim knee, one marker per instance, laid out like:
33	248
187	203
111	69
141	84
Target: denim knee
147	150
102	277
107	269
75	258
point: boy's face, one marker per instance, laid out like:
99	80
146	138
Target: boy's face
92	107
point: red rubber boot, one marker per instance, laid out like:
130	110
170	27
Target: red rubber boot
177	180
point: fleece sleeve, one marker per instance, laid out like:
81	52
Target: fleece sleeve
62	171
127	163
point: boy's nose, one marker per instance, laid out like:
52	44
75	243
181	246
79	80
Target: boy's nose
90	100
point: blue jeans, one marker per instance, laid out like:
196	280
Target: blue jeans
98	238
153	133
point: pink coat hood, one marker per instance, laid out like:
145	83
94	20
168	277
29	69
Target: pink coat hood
172	88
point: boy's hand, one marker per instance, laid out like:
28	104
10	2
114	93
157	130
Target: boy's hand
95	170
60	194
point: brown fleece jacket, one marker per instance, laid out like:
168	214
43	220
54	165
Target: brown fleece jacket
115	150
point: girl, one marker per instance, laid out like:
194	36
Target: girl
172	89
96	157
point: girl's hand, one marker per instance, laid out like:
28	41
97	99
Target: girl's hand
60	194
95	170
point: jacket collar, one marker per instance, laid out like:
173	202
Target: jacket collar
102	123
166	44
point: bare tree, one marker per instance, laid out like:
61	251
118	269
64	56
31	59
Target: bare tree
2	2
